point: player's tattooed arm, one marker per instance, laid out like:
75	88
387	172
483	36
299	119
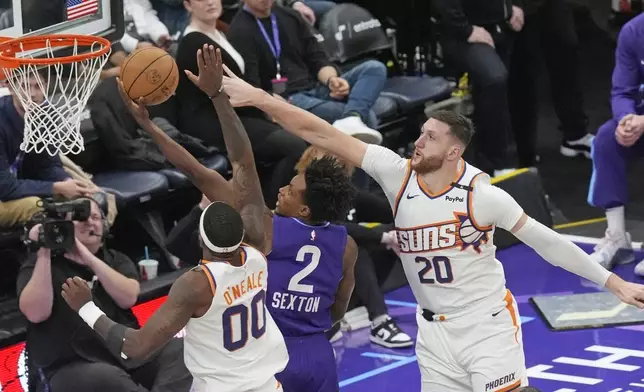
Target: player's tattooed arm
187	297
345	289
208	181
245	182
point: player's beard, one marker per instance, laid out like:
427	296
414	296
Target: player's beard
428	165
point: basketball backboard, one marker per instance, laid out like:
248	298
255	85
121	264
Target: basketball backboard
87	17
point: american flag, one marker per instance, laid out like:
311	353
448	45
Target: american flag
80	8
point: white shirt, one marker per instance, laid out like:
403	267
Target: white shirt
446	238
146	21
223	42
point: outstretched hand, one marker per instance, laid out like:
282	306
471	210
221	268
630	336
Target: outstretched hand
210	71
139	111
239	92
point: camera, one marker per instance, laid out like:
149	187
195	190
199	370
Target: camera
57	230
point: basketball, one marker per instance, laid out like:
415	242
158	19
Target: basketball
150	73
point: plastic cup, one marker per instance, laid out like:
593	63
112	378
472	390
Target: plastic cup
148	269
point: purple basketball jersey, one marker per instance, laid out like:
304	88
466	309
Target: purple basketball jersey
305	269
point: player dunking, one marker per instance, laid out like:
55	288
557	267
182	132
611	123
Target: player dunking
469	335
311	260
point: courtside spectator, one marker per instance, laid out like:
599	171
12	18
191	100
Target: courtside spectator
27	177
476	37
549	33
283	57
276	151
68	354
616	143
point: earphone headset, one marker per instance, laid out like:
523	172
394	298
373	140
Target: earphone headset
106	225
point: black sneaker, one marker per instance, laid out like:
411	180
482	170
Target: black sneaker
389	335
573	148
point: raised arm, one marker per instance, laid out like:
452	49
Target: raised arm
209	182
245	183
295	120
494	206
190	295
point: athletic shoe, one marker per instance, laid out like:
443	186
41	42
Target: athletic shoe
389	335
573	148
613	249
353	126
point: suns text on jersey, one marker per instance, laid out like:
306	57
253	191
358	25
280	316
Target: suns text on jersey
298	303
251	282
436	236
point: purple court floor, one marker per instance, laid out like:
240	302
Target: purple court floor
605	359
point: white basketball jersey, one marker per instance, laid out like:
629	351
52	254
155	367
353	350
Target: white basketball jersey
449	260
236	346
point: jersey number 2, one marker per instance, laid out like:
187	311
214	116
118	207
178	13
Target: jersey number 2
236	332
441	266
294	284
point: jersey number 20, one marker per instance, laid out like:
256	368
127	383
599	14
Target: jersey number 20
441	266
236	331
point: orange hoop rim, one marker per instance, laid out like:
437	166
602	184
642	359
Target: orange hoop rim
10	46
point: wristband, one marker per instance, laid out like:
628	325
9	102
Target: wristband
90	313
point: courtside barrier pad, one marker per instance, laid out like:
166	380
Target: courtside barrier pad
584	311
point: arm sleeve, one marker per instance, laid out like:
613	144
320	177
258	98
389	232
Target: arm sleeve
387	168
557	250
452	18
492	206
626	81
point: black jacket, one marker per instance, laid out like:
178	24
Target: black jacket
456	17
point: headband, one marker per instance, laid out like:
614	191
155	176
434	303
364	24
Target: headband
208	243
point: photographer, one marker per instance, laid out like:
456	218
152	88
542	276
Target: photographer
68	355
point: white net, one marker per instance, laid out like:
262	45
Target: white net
54	96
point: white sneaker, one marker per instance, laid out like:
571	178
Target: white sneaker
613	249
354	126
388	334
577	147
639	268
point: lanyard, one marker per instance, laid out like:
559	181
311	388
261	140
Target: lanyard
274	44
15	166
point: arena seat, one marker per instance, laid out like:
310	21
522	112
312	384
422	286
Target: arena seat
178	180
368	40
132	187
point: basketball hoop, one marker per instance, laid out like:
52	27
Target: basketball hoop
65	84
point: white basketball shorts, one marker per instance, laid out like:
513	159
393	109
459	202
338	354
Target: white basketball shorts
480	352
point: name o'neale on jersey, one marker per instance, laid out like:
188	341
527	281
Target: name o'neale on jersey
459	232
288	301
251	282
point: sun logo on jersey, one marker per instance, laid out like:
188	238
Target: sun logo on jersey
469	234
